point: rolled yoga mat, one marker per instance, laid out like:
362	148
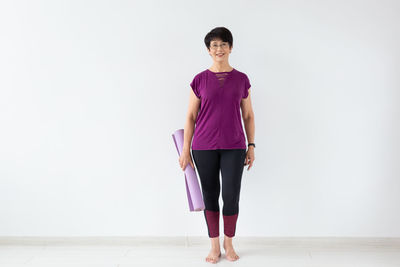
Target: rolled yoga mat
193	191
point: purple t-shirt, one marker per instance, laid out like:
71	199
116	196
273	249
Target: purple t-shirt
219	124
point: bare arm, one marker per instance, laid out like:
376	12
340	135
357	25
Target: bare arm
193	109
248	118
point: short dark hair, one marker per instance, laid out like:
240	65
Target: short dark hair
219	33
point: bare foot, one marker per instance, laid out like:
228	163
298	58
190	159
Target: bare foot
229	251
214	255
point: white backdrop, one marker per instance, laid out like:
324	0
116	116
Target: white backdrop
91	91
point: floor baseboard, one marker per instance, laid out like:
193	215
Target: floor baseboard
199	240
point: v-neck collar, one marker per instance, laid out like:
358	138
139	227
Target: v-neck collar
225	78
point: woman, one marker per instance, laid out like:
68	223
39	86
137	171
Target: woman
217	96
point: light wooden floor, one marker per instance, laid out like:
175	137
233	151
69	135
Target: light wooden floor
190	252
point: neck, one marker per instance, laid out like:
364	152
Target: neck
220	67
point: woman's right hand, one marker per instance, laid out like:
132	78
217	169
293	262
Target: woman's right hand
184	159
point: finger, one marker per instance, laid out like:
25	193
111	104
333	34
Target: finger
248	168
248	160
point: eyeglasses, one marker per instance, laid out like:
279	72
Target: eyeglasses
223	46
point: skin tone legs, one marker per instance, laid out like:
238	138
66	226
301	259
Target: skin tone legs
229	251
215	252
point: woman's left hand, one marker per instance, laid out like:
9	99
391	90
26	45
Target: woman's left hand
249	157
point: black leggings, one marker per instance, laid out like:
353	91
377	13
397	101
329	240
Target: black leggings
231	163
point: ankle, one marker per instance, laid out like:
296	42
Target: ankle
228	239
215	244
228	245
215	248
228	242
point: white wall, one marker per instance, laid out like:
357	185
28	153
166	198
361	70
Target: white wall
91	91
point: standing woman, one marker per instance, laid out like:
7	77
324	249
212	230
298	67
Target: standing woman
217	96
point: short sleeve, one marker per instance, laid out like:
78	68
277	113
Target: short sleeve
195	84
247	85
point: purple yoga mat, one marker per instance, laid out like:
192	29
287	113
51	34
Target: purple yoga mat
193	191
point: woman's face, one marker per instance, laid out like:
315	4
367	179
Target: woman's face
219	50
